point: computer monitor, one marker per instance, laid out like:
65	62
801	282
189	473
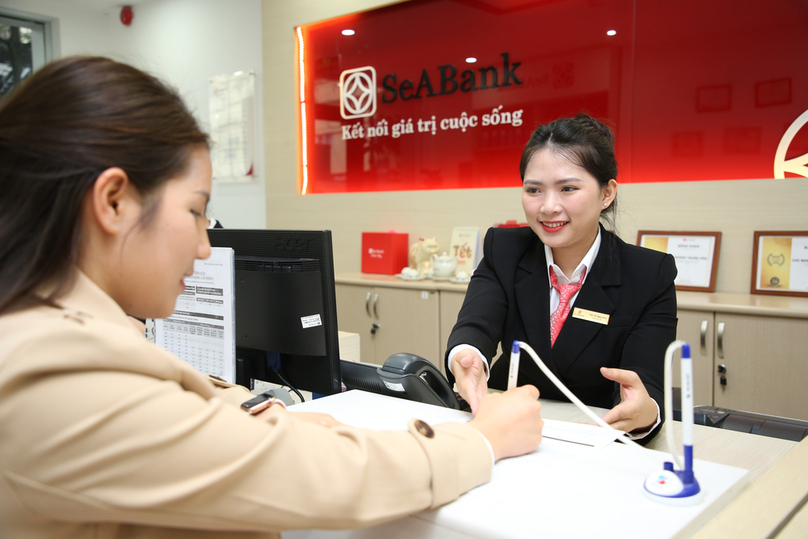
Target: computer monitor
286	313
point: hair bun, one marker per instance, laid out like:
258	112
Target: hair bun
596	125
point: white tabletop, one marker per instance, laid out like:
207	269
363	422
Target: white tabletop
561	490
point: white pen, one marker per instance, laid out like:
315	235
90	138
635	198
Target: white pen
687	413
513	372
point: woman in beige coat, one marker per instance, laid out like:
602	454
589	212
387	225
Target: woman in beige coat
104	180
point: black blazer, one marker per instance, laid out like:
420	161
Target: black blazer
508	299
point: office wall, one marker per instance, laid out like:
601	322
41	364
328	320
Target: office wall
76	29
184	42
736	208
188	41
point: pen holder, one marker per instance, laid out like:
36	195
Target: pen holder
677	487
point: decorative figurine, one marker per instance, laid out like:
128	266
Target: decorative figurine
420	254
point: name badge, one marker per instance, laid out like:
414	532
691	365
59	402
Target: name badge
592	316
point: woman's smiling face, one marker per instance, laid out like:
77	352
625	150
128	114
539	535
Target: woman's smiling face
562	203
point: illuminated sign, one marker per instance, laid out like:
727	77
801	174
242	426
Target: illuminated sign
444	94
470	80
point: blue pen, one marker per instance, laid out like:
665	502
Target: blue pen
513	372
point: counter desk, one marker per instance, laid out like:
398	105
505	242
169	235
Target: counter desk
563	491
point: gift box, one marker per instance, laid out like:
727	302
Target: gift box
384	252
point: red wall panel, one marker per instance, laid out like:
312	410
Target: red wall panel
694	90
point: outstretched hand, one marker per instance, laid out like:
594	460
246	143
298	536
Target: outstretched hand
637	409
470	376
510	421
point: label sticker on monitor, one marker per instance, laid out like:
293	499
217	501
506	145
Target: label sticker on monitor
311	321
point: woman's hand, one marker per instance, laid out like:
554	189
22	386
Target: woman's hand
637	409
510	421
470	376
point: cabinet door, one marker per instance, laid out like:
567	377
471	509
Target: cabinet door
409	322
696	329
354	315
450	303
765	360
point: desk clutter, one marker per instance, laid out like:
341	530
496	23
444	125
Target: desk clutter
386	253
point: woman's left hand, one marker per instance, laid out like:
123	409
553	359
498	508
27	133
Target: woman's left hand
637	409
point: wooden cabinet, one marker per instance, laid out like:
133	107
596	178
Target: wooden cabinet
390	320
696	328
761	342
755	347
764	362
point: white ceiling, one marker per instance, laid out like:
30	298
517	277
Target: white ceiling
102	5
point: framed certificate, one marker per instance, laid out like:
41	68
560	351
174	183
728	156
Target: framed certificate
780	263
696	255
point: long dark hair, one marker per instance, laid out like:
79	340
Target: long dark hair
583	140
70	121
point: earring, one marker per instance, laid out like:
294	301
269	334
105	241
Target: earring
605	204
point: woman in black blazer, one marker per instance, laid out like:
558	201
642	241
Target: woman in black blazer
610	349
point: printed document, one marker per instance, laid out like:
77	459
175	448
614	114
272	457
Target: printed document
202	329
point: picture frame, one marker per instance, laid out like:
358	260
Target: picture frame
696	255
780	263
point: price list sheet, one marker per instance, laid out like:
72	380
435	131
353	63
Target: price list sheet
201	331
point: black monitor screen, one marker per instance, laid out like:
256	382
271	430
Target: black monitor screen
286	314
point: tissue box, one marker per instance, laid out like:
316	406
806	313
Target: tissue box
384	252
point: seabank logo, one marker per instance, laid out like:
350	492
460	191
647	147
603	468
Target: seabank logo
357	87
357	92
796	165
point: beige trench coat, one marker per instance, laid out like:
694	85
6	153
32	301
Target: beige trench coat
103	435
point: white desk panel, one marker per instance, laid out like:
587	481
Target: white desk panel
561	490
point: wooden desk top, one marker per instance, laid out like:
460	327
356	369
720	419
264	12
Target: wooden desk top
391	281
774	506
752	304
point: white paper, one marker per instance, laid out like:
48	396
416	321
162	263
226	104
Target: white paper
578	433
694	258
564	444
799	264
202	329
232	126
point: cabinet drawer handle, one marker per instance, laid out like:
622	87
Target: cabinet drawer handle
367	304
375	303
704	338
720	340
